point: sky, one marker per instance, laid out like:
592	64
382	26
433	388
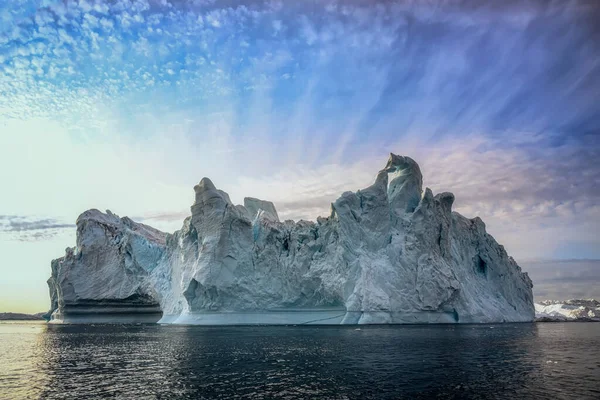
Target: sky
126	104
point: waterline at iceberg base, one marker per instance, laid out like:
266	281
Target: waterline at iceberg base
388	254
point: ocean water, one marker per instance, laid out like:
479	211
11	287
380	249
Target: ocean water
508	361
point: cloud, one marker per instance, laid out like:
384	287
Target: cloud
463	79
539	200
564	279
27	228
19	224
176	217
536	195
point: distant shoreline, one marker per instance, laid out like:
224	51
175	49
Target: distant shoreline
9	316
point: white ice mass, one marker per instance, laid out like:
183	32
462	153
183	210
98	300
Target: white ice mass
387	254
568	310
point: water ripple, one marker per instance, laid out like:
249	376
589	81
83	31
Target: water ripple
164	362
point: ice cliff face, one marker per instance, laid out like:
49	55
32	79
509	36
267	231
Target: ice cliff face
389	253
105	277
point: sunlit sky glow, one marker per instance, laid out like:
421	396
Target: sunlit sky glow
125	105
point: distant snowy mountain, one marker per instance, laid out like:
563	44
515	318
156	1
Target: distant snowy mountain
568	310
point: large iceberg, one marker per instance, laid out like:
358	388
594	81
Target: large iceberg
388	254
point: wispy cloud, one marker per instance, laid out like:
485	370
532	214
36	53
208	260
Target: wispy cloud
537	197
564	279
20	224
463	64
26	228
176	217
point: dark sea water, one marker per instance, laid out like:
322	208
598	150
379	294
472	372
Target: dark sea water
509	361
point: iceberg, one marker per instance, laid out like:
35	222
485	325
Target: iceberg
391	253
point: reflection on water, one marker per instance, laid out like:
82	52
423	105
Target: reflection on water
150	361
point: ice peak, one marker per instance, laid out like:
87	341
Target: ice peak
254	206
406	185
205	184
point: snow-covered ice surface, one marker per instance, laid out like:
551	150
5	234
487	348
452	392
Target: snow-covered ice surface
568	310
390	253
